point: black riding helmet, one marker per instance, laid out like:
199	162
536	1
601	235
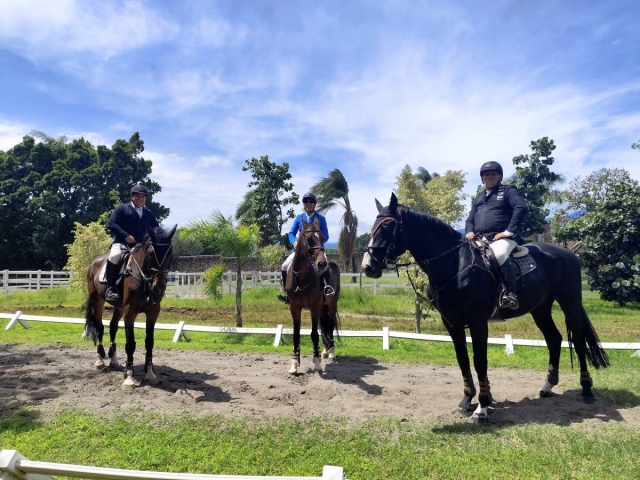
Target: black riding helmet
309	196
488	166
139	189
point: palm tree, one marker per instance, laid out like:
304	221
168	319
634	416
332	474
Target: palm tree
331	192
221	235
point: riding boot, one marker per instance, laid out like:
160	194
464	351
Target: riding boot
328	289
112	296
509	298
283	297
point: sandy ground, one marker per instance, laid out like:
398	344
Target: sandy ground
257	385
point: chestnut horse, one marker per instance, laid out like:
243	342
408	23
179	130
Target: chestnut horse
305	290
141	290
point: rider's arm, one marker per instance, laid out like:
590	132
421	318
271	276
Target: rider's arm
293	232
519	207
470	223
113	224
323	228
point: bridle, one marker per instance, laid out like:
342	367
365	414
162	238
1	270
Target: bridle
154	270
311	252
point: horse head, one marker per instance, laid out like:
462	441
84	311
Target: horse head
385	244
311	240
158	254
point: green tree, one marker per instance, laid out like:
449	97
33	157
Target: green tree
219	234
535	182
586	193
50	185
362	242
442	197
89	242
265	204
333	191
610	234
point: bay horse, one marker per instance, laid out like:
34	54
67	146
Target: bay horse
465	290
141	290
305	290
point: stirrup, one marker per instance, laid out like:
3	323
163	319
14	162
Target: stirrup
112	296
509	300
329	291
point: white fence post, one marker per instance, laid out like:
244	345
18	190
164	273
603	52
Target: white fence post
330	472
509	344
15	319
385	338
276	341
39	279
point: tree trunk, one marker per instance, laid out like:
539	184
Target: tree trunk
418	314
239	296
354	279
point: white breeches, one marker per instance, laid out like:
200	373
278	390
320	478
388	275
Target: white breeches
115	254
502	249
287	262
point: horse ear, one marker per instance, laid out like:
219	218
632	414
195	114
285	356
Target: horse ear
393	203
172	231
304	223
378	205
316	222
151	233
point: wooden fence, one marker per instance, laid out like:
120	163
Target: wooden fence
14	466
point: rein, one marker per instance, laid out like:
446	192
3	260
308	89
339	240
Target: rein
301	286
147	280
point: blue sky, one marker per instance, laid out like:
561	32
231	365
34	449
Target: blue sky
363	86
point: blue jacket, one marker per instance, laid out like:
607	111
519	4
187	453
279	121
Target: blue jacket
297	226
503	209
125	221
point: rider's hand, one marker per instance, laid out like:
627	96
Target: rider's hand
294	244
130	240
470	235
498	236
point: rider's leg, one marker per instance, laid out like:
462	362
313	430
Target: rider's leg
283	297
502	249
112	295
328	289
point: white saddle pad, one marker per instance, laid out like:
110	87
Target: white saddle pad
103	272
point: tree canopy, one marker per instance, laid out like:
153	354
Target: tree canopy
535	181
48	186
266	201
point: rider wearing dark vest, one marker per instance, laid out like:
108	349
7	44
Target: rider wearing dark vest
497	214
128	223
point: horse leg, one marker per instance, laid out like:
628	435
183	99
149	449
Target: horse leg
113	330
152	316
327	325
129	318
480	338
315	338
460	345
543	319
296	314
574	318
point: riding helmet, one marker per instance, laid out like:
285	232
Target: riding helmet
309	196
488	166
139	189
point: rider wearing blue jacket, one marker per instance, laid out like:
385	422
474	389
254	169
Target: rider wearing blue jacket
309	202
496	215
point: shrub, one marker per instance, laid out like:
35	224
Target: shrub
89	242
213	281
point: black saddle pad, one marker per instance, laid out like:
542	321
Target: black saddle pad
524	265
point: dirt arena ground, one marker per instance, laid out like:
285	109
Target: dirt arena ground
239	385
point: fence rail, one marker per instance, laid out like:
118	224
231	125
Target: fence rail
183	284
182	330
16	467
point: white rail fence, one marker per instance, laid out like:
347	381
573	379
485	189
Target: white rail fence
181	330
182	284
14	466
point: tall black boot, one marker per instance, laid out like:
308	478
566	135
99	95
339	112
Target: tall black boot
509	299
112	296
283	297
328	289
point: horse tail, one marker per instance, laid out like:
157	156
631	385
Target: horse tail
90	329
595	354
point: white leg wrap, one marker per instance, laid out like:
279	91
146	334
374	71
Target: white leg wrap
294	367
129	382
150	377
480	413
325	353
114	361
546	388
332	352
317	364
99	362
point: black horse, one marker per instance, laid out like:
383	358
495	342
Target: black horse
141	290
465	289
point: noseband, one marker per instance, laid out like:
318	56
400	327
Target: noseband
390	254
147	280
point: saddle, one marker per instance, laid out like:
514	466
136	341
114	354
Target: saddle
524	264
123	266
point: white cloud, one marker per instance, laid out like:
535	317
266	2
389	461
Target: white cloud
11	134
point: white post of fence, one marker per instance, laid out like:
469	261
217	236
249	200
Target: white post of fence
180	332
276	341
508	349
39	277
330	472
636	353
230	278
5	281
8	460
385	338
15	319
375	286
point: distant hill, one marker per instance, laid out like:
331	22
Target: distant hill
331	245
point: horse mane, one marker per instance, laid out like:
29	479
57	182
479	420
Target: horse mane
433	223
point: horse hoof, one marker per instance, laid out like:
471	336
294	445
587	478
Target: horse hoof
325	353
99	364
464	411
480	419
588	400
294	367
114	363
152	380
545	394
